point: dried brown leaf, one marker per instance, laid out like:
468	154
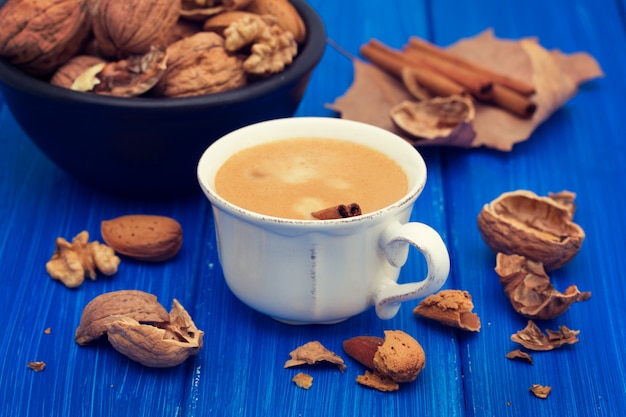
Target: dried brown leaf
555	75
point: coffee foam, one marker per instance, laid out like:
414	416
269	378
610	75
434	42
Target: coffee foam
292	178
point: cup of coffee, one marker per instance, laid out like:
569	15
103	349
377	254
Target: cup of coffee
312	218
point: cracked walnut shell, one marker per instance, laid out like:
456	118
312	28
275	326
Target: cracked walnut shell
538	228
530	291
140	328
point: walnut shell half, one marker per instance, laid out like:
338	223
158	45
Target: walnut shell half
538	228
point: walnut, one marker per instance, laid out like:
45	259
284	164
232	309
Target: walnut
531	337
311	353
137	326
538	228
450	308
200	10
530	291
181	29
271	48
199	65
433	117
40	35
71	262
131	27
69	72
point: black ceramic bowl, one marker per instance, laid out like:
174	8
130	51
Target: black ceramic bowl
150	147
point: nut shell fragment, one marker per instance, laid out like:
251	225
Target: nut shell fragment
378	382
161	345
132	76
312	353
69	72
433	117
538	228
530	291
540	391
450	308
532	338
400	358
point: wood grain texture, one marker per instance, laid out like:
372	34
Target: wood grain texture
240	370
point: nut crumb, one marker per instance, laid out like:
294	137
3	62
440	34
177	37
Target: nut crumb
518	354
303	380
37	366
47	331
450	308
312	353
540	391
531	337
376	381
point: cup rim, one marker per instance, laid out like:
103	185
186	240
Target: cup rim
216	200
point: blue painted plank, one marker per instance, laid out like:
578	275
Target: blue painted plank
240	370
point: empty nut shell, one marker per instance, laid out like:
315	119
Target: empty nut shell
538	228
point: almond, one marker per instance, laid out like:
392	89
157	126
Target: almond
143	237
362	349
398	357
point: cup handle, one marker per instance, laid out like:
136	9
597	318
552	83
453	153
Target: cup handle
395	241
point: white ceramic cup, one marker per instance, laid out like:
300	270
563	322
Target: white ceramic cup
313	271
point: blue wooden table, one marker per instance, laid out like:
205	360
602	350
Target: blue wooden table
239	372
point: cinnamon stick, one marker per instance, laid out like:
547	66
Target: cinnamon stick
393	62
478	84
338	212
512	101
519	86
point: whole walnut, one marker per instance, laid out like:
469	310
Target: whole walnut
130	27
198	65
40	35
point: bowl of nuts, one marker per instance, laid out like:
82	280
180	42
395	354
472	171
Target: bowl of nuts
125	95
